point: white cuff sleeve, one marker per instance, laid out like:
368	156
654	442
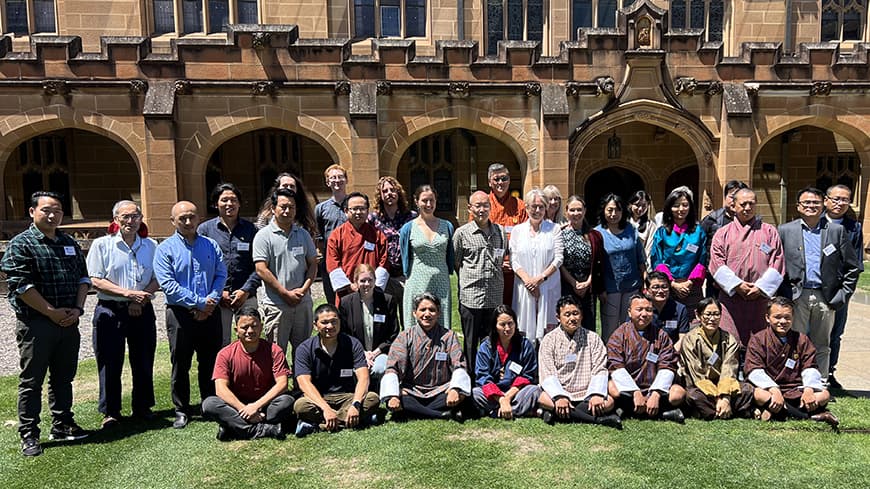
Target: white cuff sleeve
727	279
623	380
769	282
811	377
381	277
460	381
390	386
597	386
662	382
553	388
760	379
338	279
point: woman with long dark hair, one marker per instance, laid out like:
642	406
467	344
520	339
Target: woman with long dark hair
303	201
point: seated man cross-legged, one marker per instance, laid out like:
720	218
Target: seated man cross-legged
426	374
643	365
573	366
332	374
250	377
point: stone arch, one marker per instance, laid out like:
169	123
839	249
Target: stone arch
504	130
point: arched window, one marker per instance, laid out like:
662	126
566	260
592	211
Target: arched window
843	20
587	14
384	18
699	14
513	20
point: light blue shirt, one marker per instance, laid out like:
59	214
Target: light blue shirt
190	274
812	255
130	267
625	257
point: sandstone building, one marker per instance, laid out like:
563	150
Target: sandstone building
157	100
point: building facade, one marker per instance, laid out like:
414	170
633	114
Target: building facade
158	100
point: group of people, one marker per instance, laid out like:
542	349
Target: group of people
761	340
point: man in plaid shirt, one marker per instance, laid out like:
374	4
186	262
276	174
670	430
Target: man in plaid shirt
48	283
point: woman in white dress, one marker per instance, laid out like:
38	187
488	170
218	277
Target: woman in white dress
536	255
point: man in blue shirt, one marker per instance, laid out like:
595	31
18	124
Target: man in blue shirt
191	272
235	236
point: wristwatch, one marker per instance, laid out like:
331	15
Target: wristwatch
357	405
81	310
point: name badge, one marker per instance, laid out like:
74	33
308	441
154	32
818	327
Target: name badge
652	357
242	246
571	358
441	356
369	246
380	318
790	364
829	249
669	325
765	248
515	367
346	372
499	252
298	250
69	250
713	359
692	248
508	229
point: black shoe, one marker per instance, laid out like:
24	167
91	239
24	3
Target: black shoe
110	422
181	420
144	414
610	420
833	383
675	415
67	432
457	416
548	417
30	447
223	434
268	430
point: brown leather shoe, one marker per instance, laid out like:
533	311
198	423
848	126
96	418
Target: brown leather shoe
826	417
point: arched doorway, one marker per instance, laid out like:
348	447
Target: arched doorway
252	160
455	162
616	180
802	156
90	171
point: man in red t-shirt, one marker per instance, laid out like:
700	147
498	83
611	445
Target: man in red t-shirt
250	379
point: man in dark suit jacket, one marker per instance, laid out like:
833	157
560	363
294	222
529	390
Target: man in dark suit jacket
821	269
370	316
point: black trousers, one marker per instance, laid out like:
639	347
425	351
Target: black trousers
186	337
277	411
44	347
475	327
113	326
434	407
626	403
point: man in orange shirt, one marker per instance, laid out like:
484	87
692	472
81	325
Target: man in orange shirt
506	211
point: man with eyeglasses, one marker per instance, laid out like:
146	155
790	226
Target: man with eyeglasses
121	268
717	219
507	211
354	242
329	215
837	204
821	271
668	314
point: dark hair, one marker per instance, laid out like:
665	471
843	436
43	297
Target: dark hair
251	312
426	296
304	209
283	192
424	188
656	275
516	339
224	187
616	199
323	309
567	300
706	302
35	196
779	301
353	195
809	189
668	214
636	197
733	186
635	297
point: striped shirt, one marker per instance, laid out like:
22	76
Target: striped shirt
424	362
573	359
479	257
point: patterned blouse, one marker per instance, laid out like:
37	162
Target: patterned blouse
578	253
391	228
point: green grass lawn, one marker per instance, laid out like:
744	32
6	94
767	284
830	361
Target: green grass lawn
433	454
864	279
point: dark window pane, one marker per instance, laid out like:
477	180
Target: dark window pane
364	18
415	18
16	17
697	8
581	16
191	11
607	13
714	31
248	12
678	14
830	26
852	25
627	3
218	15
58	182
515	20
164	17
43	15
495	25
391	25
535	18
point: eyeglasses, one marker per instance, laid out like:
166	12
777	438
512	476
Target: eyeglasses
658	287
711	315
336	178
810	203
358	209
503	178
839	200
129	217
